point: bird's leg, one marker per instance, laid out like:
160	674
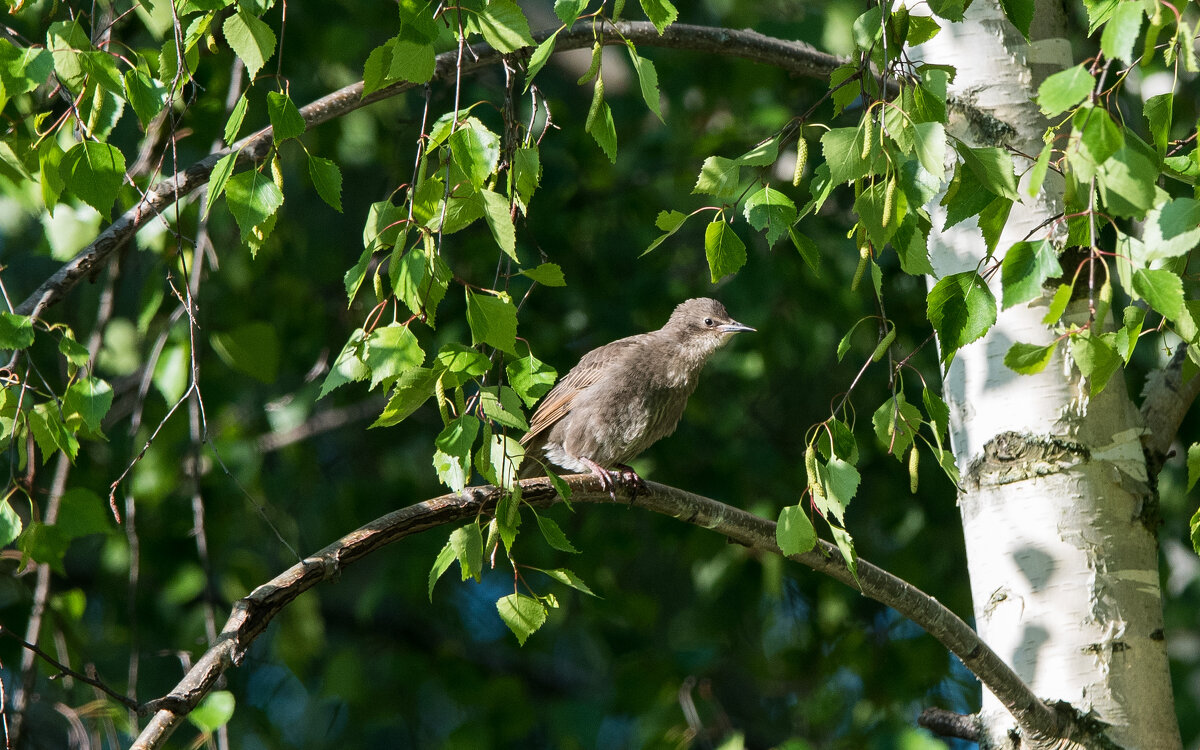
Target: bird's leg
630	477
603	474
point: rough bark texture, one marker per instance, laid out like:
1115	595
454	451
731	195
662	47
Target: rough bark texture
1063	562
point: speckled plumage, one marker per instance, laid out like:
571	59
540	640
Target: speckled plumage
623	397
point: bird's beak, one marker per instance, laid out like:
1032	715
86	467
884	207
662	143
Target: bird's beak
733	327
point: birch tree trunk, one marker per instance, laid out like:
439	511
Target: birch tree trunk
1057	510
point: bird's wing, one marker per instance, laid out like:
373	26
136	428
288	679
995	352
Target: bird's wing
561	397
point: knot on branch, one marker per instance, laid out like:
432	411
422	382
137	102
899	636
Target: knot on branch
1013	456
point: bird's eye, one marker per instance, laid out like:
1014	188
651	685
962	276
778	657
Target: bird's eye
708	322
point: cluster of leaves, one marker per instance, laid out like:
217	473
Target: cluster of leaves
467	174
895	159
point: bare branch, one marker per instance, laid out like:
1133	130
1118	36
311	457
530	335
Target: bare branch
252	613
795	57
949	724
1166	398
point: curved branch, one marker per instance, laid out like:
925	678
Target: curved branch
795	57
1166	399
252	613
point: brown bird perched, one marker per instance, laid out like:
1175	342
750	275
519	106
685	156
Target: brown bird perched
623	397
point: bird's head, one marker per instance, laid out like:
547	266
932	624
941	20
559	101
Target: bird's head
702	325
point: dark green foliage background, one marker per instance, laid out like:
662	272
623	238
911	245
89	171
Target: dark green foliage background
779	653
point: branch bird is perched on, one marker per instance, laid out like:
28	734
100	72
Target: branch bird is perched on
623	397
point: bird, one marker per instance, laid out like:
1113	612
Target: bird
625	396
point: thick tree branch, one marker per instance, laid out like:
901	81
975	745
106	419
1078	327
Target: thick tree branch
1166	399
253	613
949	724
795	57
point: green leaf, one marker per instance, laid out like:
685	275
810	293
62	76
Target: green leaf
286	120
808	250
554	535
457	364
252	198
546	274
993	167
441	564
1194	523
327	179
147	95
502	405
669	222
349	366
794	533
764	154
476	150
16	331
660	12
930	144
541	55
1064	90
250	39
961	309
845	545
1163	289
234	124
90	399
844	344
939	413
1020	13
493	321
896	423
568	578
452	457
1171	230
770	211
526	175
911	242
498	460
220	177
1158	111
74	352
420	278
1026	267
843	149
50	433
719	177
1193	465
1037	175
1094	139
647	81
497	214
1127	182
725	250
600	122
252	348
522	614
503	25
1096	358
10	524
94	171
531	378
214	711
1122	30
392	351
568	10
467	542
1058	304
838	485
1028	359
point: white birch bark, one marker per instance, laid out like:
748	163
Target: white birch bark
1064	571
